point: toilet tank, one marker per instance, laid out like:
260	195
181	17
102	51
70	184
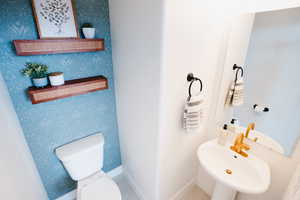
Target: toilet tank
83	157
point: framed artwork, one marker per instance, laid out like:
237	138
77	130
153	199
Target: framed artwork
55	18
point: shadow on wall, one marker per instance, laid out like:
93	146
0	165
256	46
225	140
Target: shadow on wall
52	124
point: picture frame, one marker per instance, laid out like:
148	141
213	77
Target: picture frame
55	19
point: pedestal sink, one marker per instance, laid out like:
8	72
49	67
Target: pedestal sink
233	173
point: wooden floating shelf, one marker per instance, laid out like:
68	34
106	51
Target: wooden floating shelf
70	88
54	46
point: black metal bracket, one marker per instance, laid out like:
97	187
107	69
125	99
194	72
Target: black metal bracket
266	109
191	78
238	68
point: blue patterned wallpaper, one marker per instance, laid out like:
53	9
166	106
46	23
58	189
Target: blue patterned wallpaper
49	125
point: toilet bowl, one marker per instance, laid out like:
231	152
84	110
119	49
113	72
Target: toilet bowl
83	159
98	185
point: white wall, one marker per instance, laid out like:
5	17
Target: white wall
155	44
19	176
281	167
272	72
136	27
193	41
235	53
267	5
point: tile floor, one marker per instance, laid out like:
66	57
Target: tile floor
195	193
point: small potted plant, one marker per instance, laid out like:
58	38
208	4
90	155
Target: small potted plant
88	30
37	72
56	78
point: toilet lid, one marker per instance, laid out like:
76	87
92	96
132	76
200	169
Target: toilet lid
101	189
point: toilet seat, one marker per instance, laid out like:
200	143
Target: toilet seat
98	187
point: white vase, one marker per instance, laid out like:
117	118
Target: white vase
89	33
56	78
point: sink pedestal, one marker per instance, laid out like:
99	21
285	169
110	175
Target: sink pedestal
223	192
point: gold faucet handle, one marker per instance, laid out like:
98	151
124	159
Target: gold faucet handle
251	126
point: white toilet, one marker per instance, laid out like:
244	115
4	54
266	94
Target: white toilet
83	159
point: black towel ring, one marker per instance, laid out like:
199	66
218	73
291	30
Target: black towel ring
191	78
239	68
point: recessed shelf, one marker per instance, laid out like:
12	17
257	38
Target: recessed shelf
54	46
70	88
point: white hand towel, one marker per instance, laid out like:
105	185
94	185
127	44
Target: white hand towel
235	95
230	94
238	93
193	113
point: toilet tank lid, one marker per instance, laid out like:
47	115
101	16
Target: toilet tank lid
67	151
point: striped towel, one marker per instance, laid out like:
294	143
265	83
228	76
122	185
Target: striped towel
193	113
235	95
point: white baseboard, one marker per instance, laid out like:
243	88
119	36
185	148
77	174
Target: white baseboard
185	189
115	172
177	196
69	196
119	170
72	195
134	186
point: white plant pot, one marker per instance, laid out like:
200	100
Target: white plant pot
89	33
56	78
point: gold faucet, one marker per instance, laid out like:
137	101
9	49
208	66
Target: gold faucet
239	145
251	126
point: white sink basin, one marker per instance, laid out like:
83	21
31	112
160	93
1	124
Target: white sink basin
248	175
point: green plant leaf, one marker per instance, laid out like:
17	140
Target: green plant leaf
35	70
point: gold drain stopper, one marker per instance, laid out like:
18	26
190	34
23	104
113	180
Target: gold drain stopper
228	171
